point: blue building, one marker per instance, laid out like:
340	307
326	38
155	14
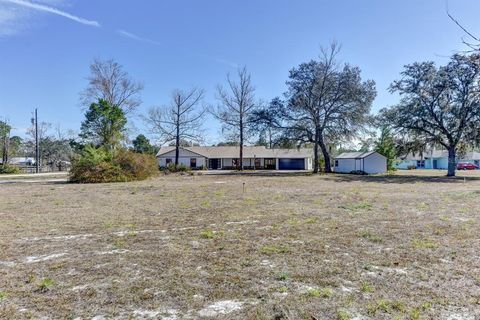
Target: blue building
435	159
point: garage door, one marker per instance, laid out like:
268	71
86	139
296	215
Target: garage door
291	164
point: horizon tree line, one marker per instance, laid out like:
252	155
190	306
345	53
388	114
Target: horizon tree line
326	105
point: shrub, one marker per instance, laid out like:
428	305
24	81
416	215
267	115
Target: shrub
98	165
178	168
8	169
136	166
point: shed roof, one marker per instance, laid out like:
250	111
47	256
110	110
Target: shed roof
248	152
355	155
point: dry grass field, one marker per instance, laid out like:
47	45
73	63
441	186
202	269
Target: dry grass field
405	246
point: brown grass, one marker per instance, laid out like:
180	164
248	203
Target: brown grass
290	247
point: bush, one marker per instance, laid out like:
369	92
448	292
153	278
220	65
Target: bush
8	169
137	166
172	168
97	165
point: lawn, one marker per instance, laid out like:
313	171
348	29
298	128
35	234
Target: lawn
243	247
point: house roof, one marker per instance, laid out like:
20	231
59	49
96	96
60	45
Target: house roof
248	152
354	155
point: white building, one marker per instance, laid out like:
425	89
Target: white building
227	158
435	159
369	162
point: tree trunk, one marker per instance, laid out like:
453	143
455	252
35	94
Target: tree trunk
177	145
315	157
452	166
326	155
241	143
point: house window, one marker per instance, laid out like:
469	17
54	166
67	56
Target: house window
193	162
336	163
257	163
168	161
420	163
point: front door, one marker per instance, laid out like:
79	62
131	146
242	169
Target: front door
214	164
358	165
435	164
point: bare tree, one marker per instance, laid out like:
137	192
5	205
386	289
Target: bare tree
474	42
237	103
108	81
179	121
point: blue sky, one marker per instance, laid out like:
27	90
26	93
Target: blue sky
46	46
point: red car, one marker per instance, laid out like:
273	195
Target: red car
466	166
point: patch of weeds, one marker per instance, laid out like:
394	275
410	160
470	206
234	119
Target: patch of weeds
424	244
310	220
293	222
426	306
367	267
283	276
386	306
366	287
107	225
3	295
31	278
119	244
45	285
319	293
415	314
274	249
283	289
59	202
220	193
206	204
250	201
210	234
371	237
354	207
343	315
439	231
444	218
422	205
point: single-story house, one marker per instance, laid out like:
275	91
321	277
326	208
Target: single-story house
22	161
227	157
369	162
435	159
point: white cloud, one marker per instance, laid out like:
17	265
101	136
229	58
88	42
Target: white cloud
137	38
15	15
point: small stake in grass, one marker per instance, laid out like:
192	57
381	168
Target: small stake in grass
244	187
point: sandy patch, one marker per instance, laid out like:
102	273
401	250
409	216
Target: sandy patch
220	308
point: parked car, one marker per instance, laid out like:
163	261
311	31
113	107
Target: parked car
466	166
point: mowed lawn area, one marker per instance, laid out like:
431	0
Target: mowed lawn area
405	246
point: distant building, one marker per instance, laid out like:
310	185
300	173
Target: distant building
22	161
435	159
368	162
227	158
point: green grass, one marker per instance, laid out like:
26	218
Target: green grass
320	293
367	288
424	244
210	234
355	207
343	315
45	284
274	249
282	276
